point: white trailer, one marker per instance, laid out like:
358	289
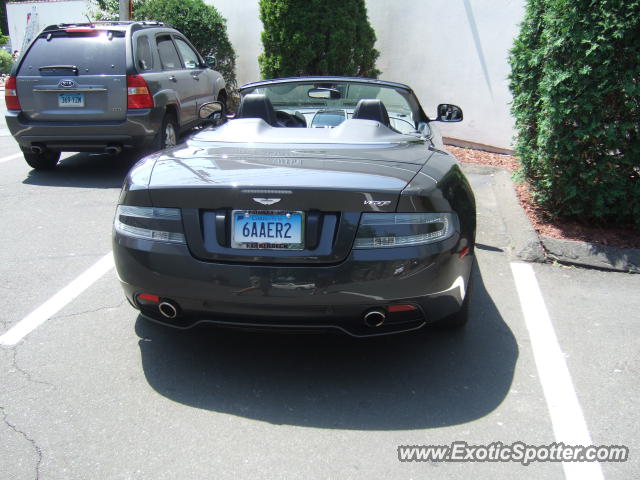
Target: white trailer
26	19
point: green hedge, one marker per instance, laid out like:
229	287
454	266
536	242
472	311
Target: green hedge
576	87
317	37
6	62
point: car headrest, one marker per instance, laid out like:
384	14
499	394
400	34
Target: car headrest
256	105
372	109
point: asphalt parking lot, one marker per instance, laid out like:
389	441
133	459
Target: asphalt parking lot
93	391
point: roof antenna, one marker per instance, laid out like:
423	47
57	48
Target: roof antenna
90	21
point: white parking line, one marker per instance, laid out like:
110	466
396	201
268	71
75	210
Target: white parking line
10	157
569	425
56	303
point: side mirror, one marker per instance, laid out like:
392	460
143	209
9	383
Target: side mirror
213	111
210	61
449	113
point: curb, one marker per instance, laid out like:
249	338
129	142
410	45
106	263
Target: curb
592	255
526	245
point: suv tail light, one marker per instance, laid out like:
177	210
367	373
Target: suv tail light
138	95
11	94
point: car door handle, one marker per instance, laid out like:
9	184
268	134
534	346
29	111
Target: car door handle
173	78
195	77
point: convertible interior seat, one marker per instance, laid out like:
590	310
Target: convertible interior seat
372	109
256	105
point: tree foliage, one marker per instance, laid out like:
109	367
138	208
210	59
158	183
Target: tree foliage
202	24
576	86
4	27
317	37
6	62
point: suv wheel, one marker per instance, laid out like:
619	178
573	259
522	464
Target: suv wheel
168	135
42	161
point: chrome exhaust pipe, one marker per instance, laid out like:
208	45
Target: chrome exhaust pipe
37	149
375	317
113	149
168	310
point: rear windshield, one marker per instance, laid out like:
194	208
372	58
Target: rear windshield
101	54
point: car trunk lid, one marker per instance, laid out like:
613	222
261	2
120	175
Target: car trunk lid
330	186
305	178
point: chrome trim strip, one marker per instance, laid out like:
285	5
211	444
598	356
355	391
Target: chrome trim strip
70	90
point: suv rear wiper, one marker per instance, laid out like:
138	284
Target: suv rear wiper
57	68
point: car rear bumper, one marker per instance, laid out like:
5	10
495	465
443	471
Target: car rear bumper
138	130
431	278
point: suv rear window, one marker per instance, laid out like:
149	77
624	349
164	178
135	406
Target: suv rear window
92	54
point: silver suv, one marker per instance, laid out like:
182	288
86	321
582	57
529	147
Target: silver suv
105	87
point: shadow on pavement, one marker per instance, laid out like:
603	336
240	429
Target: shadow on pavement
488	248
410	381
86	170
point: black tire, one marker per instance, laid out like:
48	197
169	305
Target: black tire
461	317
165	139
42	161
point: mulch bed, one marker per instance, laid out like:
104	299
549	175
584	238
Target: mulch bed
561	229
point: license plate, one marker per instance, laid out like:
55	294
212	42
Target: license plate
267	230
71	99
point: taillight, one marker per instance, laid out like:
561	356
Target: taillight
80	29
150	223
379	230
138	95
11	94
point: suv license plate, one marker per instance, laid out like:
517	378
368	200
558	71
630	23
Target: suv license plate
267	230
71	99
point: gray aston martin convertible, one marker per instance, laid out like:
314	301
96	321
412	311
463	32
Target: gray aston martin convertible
325	203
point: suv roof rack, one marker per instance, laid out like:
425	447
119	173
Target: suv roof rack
102	23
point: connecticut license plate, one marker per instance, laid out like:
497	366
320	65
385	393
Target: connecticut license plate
71	99
267	230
